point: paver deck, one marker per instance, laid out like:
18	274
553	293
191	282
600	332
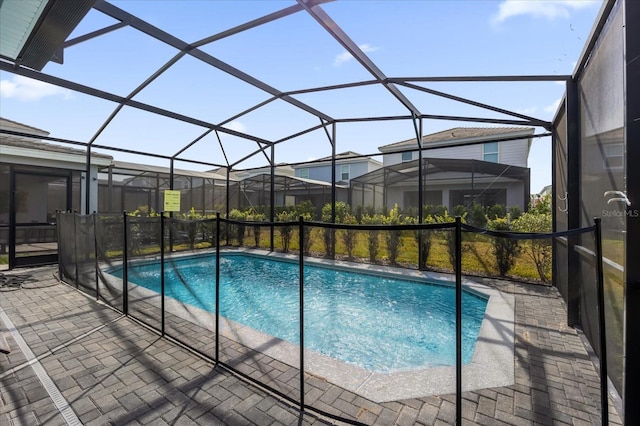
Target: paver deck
109	369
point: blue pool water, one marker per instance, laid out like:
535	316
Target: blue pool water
378	323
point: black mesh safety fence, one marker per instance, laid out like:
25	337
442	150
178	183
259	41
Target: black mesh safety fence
521	256
109	244
609	339
186	236
258	236
561	265
497	255
67	247
189	286
143	298
86	253
367	314
490	266
319	242
438	249
260	306
305	307
588	303
532	257
235	233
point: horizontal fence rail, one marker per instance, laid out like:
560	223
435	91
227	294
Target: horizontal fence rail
156	246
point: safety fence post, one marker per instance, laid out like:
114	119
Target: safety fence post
125	265
301	239
162	283
458	268
604	391
95	253
217	358
75	249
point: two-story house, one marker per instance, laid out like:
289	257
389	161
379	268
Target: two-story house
461	166
349	165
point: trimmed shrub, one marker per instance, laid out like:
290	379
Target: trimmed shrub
423	239
286	230
476	216
192	226
305	209
253	216
307	217
349	235
393	237
538	250
373	240
496	211
449	236
505	250
238	229
328	234
515	212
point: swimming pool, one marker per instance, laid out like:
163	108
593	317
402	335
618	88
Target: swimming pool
379	323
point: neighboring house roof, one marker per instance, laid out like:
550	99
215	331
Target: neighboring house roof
342	157
22	143
17	142
546	190
283	178
280	169
126	168
320	182
14	125
458	135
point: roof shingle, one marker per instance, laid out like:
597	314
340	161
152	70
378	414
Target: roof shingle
34	143
459	134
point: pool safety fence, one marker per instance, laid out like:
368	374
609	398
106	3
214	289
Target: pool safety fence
111	256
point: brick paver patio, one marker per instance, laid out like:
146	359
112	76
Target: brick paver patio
110	369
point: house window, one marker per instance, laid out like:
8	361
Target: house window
407	156
303	173
490	152
344	173
614	153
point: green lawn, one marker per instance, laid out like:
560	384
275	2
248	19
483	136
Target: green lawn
477	258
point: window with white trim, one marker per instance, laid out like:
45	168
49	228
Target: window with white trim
614	153
344	173
407	156
490	152
303	173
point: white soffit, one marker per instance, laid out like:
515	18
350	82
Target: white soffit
17	20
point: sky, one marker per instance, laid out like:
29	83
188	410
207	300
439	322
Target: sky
415	38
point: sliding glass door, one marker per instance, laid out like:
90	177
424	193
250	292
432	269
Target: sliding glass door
35	198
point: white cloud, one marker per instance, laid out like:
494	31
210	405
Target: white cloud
553	107
547	9
237	126
346	56
27	89
527	111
